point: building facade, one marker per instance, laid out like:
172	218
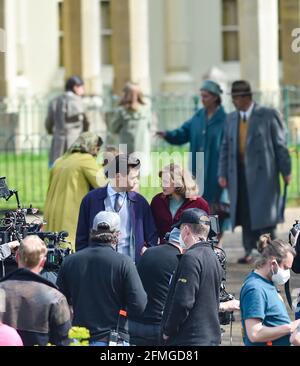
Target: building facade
169	46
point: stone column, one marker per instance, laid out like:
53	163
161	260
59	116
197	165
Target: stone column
177	77
82	42
290	41
130	43
258	39
8	62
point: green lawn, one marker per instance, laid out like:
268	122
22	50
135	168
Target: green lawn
28	173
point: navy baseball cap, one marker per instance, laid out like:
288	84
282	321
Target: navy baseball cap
193	216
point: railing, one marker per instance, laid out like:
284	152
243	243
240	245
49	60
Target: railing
24	144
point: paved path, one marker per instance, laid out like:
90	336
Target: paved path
237	272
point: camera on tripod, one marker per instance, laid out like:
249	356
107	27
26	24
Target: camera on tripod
14	226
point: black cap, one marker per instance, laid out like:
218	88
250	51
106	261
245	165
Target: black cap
192	216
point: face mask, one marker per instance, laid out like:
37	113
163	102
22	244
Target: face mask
181	242
281	277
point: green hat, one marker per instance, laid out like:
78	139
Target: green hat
211	87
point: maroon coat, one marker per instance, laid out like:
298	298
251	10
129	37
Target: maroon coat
162	214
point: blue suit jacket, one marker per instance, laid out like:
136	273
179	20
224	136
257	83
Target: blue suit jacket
140	213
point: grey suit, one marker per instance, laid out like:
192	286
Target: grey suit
266	156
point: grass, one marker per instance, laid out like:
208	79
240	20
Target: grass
28	173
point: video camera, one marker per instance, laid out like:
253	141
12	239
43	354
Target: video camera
14	226
56	253
294	234
226	317
214	229
4	191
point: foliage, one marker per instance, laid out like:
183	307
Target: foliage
79	336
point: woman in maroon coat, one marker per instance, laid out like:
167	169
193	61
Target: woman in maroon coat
180	192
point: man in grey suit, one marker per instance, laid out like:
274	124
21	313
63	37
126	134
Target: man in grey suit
253	155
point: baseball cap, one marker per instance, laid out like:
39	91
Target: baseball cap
112	219
193	216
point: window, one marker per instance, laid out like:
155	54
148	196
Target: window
106	32
61	33
230	30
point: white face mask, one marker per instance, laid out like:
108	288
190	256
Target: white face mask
281	277
181	242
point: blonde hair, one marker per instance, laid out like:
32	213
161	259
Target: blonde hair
182	179
32	249
272	248
130	90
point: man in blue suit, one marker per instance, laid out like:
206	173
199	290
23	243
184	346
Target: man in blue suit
138	230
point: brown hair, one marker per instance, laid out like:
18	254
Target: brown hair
272	248
109	154
104	235
130	90
183	181
199	229
32	249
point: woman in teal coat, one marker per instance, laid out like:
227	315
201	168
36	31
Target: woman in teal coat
204	132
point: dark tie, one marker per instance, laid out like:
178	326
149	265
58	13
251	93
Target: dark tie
117	206
244	118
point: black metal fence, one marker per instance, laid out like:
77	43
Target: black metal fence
24	143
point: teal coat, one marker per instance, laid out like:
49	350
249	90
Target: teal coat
204	136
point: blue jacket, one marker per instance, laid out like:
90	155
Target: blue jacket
204	136
140	212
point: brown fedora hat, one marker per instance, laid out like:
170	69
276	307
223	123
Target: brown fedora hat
240	88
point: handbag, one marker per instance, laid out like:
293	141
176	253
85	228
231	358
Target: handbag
221	206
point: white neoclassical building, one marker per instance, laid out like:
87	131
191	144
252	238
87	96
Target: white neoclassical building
166	45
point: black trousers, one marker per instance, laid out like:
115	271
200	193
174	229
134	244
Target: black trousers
249	236
144	334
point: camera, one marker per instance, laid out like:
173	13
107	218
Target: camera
14	226
294	232
214	228
4	191
225	318
56	253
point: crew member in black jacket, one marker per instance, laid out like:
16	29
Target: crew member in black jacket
156	267
191	313
99	282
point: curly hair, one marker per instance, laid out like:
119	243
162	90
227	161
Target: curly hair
182	179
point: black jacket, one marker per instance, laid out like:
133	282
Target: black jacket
156	267
36	308
99	282
191	313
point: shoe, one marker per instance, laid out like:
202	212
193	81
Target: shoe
248	259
